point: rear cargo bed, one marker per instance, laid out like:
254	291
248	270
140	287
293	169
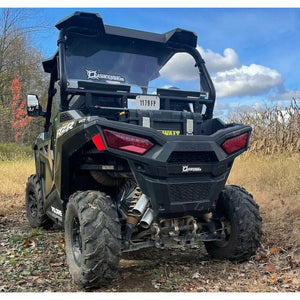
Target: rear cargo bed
172	122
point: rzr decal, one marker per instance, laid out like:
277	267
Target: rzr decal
93	74
65	129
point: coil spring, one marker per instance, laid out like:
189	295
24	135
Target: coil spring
134	199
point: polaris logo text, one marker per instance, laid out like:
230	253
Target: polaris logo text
56	211
186	169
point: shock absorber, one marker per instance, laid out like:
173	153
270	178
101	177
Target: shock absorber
132	219
210	223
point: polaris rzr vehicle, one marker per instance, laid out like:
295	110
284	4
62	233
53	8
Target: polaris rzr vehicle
131	156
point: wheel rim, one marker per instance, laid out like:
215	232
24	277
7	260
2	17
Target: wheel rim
76	240
227	229
226	224
32	204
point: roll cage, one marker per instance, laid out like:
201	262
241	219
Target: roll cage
91	24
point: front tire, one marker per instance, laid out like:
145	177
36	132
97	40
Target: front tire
92	239
241	217
34	204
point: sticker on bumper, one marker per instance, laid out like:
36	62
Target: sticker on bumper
170	132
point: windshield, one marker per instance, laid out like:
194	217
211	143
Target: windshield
125	62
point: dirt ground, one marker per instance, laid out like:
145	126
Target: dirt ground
34	261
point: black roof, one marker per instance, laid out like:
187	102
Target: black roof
83	22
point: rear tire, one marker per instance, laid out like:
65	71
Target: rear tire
92	239
34	204
241	216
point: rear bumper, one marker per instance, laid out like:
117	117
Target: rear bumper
161	172
181	196
181	174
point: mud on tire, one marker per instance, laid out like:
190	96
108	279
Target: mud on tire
92	239
34	204
241	215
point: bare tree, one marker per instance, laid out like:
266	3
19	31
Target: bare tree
18	59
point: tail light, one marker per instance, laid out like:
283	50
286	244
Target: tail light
126	142
236	143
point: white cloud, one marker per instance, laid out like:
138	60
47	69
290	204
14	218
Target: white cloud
215	62
182	65
246	80
229	76
257	106
284	96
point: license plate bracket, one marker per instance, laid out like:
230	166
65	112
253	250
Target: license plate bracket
147	102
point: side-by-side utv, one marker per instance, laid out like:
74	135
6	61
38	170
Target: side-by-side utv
131	156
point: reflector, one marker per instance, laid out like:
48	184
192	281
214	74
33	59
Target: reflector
98	142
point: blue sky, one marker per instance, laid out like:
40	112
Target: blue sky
260	65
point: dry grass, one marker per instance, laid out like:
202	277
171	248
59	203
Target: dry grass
277	173
13	177
270	170
15	152
274	181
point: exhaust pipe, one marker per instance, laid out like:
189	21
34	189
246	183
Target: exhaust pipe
140	206
134	216
147	218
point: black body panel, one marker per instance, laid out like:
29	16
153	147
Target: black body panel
172	192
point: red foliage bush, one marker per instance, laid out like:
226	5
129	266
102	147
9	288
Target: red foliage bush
19	114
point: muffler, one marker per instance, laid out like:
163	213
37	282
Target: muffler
147	218
140	206
135	215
